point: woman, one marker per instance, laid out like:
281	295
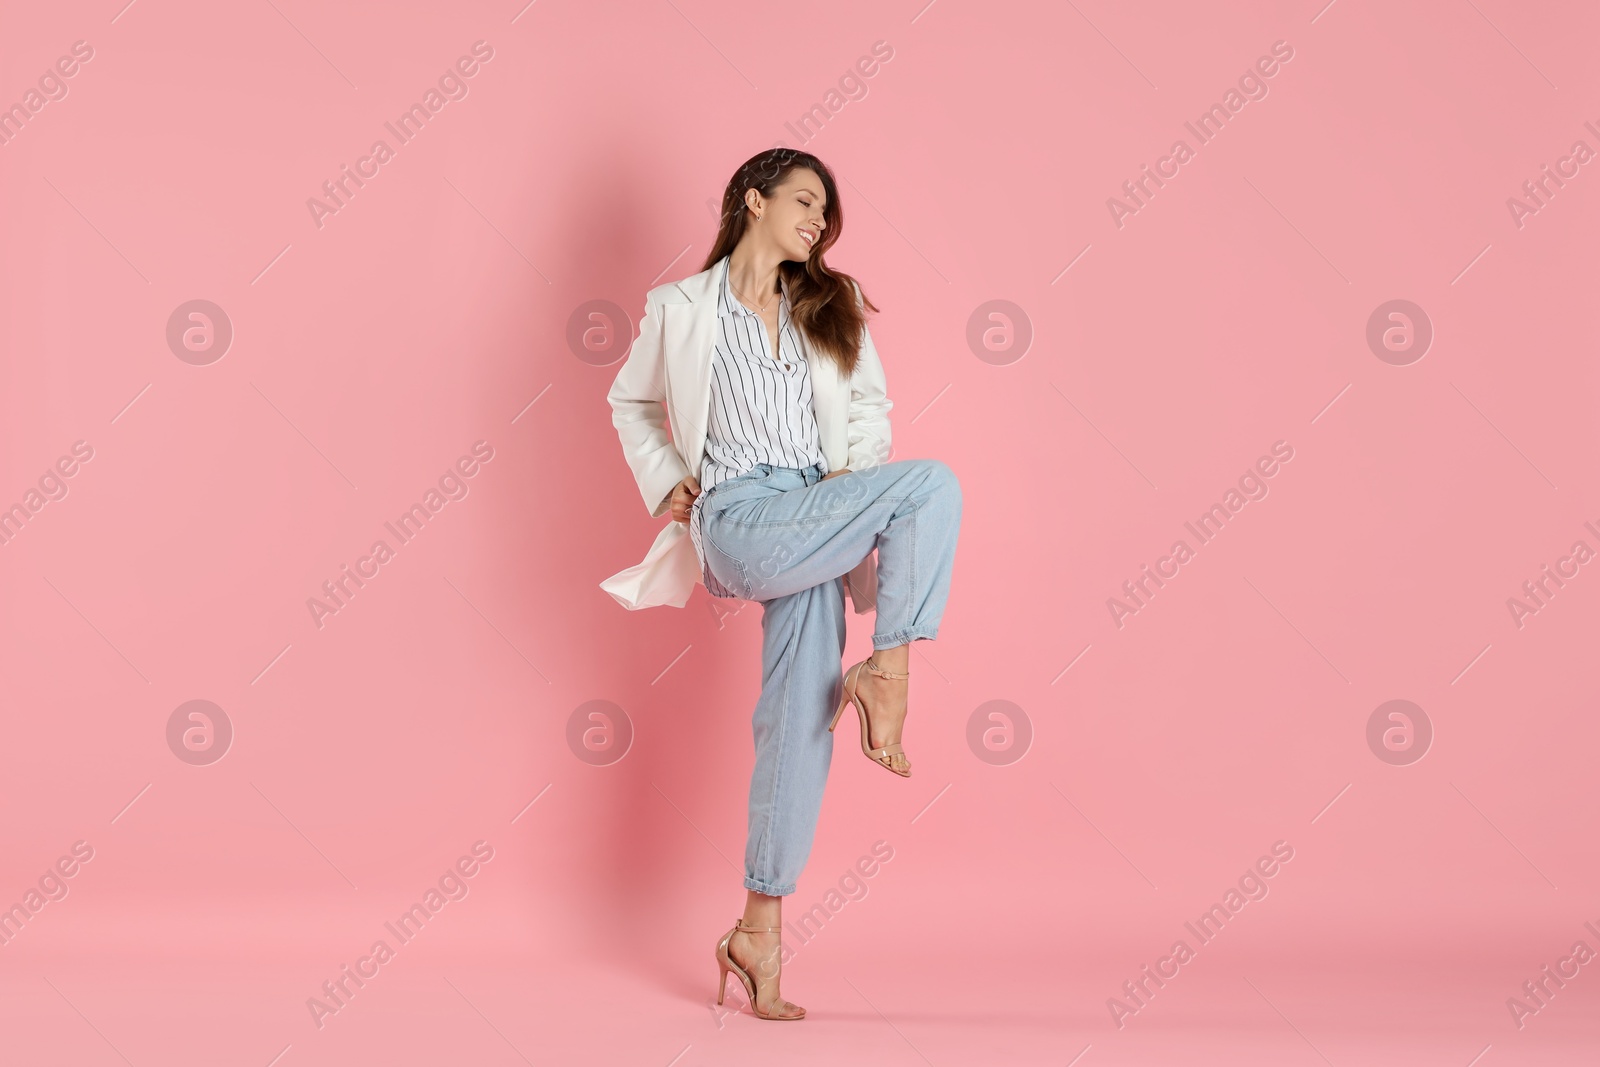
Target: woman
763	368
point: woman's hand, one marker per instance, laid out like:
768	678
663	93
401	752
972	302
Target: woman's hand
832	474
683	498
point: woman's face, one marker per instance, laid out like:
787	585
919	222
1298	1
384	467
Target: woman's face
792	217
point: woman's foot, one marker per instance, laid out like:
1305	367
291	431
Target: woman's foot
886	702
759	955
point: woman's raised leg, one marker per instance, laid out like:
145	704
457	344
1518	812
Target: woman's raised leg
779	542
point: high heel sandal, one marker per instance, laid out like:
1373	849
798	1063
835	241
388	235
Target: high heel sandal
726	963
880	756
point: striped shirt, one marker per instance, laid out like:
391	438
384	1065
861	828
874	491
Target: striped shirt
760	407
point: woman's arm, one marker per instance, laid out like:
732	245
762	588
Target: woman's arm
639	412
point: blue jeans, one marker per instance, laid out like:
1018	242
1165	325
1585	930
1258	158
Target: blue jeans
784	538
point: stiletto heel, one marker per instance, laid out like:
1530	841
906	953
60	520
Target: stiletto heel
726	963
880	756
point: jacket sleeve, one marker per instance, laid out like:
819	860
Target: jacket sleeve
638	411
867	428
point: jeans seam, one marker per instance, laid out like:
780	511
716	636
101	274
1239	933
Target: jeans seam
910	608
707	539
764	851
909	622
742	593
912	515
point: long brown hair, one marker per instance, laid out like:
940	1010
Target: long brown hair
822	300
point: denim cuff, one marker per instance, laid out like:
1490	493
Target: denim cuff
767	887
904	637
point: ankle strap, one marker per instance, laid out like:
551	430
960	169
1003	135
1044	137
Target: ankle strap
739	925
880	672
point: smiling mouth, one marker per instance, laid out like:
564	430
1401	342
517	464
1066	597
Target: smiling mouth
807	238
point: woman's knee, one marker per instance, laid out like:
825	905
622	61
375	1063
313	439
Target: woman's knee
942	478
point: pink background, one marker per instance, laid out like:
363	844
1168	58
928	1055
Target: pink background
433	311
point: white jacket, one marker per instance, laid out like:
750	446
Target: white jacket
666	382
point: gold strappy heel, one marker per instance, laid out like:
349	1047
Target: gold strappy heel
726	963
880	756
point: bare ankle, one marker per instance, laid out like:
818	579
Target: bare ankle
894	660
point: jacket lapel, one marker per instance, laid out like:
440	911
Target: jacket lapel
689	335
